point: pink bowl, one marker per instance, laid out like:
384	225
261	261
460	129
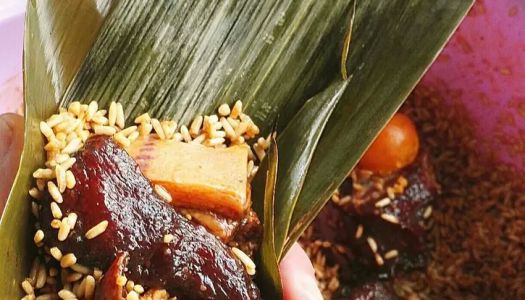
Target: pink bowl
482	70
11	43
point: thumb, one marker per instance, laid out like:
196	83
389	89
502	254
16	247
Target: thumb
11	142
297	275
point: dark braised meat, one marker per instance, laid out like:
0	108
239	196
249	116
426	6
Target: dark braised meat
244	234
248	234
379	223
221	226
194	265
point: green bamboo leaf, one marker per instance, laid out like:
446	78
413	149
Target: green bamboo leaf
49	65
178	59
269	279
61	35
297	143
394	42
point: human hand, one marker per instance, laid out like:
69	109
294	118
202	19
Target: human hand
11	142
297	276
297	272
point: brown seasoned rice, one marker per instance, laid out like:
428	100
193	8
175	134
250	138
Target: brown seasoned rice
478	223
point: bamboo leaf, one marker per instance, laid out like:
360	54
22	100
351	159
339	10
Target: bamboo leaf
49	65
298	142
394	42
268	280
346	44
178	59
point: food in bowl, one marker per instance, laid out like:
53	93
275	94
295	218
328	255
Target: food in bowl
470	207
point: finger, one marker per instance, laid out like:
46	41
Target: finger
297	276
11	142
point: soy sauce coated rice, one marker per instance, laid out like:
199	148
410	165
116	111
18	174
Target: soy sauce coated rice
479	221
